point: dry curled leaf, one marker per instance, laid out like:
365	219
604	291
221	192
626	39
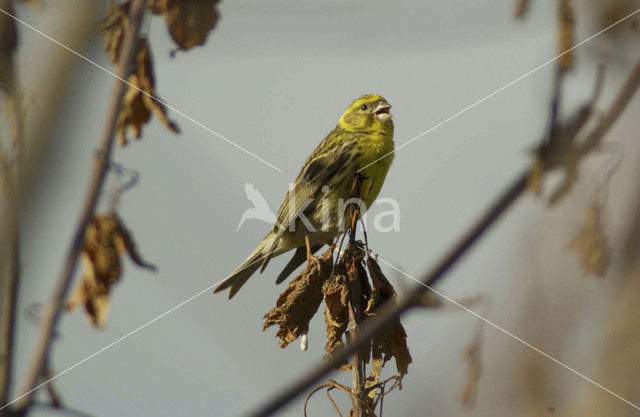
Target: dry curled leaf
591	245
106	239
392	342
299	302
566	28
113	28
138	103
336	314
189	21
382	289
349	300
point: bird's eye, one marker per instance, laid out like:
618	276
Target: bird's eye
364	107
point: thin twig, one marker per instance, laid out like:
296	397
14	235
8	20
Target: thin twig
356	309
101	163
389	315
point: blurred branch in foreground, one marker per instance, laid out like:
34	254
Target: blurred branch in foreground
99	171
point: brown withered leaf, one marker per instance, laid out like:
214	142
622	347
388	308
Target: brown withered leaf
591	244
189	21
106	239
382	288
392	342
336	313
299	302
113	28
137	107
565	28
359	293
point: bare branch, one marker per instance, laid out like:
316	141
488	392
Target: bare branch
101	163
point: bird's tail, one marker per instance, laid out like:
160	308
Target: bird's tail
237	278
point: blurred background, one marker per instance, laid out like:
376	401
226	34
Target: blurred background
274	77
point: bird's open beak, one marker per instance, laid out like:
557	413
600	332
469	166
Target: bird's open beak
382	111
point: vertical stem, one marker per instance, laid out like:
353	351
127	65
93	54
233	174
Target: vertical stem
99	172
356	309
357	366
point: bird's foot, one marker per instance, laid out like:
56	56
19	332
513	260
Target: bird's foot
310	258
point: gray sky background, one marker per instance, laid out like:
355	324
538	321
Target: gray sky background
274	77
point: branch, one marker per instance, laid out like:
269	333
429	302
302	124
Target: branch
388	315
101	163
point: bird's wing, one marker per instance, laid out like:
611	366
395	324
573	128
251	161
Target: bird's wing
332	154
316	173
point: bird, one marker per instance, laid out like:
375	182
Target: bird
309	216
260	209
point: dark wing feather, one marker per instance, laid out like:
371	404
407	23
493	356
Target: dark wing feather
332	153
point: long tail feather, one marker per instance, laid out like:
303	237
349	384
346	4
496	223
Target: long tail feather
237	278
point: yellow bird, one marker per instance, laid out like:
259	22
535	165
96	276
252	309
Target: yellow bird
310	216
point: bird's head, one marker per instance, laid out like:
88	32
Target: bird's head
369	112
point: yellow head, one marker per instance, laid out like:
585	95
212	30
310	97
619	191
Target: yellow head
368	113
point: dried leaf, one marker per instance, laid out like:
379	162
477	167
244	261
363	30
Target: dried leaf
359	292
591	245
566	28
336	313
382	288
137	104
299	302
393	341
113	28
106	239
189	21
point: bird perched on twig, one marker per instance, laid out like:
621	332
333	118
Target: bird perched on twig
310	215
